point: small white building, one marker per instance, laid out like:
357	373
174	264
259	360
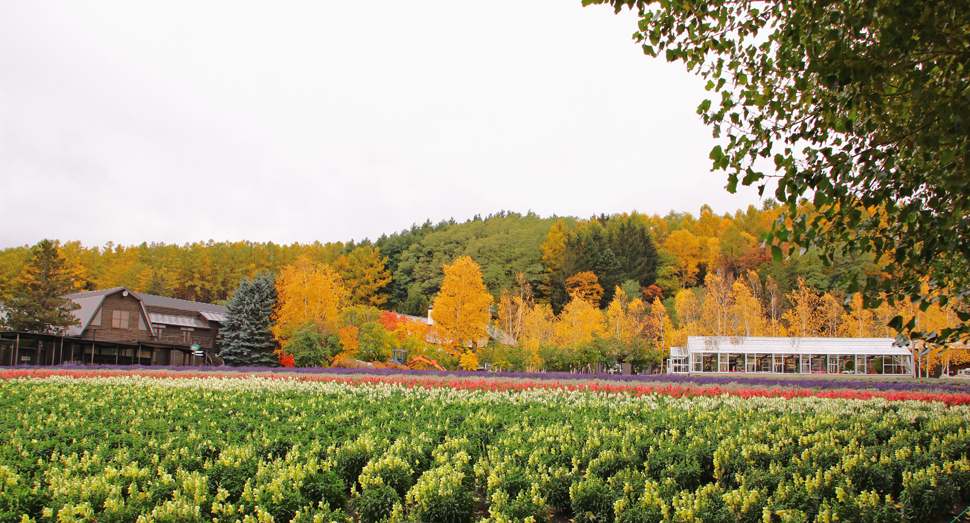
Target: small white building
729	354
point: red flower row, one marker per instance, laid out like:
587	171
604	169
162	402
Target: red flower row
676	391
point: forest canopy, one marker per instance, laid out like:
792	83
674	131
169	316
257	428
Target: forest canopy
402	271
567	292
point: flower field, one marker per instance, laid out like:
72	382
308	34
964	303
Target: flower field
114	446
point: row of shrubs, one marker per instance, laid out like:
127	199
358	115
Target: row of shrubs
153	450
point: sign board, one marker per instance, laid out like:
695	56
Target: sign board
25	358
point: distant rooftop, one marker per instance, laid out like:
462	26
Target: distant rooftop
154	301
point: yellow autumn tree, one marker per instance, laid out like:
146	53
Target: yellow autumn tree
578	323
710	252
125	268
708	223
585	286
628	319
618	321
468	361
746	314
73	264
804	318
857	321
460	311
831	313
307	292
883	314
538	329
773	309
512	308
663	327
364	275
716	307
686	249
688	311
553	253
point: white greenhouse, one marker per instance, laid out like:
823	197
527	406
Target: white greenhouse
727	354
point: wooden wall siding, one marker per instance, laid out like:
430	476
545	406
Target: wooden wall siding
174	312
173	336
105	332
205	338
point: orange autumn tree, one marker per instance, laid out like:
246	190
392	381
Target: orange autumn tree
307	292
460	311
585	286
349	341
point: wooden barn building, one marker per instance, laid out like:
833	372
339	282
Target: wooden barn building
122	327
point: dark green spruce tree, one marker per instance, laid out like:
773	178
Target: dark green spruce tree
246	338
610	274
36	304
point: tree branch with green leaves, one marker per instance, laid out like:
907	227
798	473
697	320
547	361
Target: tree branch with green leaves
862	106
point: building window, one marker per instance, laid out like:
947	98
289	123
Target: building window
187	334
119	319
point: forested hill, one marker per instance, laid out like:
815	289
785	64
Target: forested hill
503	244
661	254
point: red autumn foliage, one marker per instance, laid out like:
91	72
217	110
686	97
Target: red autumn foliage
392	321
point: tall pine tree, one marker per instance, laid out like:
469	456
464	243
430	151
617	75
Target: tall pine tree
610	274
246	337
36	304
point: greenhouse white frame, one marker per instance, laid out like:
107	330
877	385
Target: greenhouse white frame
763	355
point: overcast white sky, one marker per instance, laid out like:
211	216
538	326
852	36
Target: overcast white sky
294	121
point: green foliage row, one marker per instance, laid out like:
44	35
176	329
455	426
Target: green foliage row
258	449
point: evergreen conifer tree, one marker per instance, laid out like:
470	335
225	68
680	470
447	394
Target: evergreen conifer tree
610	274
246	337
36	304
